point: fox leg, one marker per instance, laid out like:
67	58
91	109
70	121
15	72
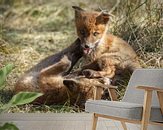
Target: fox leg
104	67
63	65
93	66
107	72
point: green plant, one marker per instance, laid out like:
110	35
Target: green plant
18	99
3	74
8	126
21	99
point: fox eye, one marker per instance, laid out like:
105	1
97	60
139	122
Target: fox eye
96	33
82	32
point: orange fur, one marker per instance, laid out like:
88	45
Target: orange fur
107	53
47	76
83	88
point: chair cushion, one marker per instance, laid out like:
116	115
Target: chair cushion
131	111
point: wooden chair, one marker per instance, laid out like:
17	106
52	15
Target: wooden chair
137	106
98	89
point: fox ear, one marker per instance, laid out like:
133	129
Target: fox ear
102	18
71	84
76	8
78	11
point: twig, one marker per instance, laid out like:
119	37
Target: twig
114	7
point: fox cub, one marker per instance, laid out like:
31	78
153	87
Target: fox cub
108	54
47	76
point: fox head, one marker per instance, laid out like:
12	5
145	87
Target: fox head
82	86
79	87
91	27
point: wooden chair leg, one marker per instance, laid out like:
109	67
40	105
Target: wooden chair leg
146	109
113	94
160	98
124	125
94	123
97	93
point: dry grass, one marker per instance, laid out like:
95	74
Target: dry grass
30	31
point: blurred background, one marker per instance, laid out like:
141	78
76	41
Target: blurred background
31	30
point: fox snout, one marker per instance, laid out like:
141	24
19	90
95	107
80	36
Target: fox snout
89	46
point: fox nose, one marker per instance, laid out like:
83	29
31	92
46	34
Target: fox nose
86	46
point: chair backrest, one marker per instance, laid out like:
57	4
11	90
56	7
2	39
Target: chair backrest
143	77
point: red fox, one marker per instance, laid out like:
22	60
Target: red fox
58	88
47	76
108	54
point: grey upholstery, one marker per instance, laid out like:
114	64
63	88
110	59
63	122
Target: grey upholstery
143	77
131	105
131	111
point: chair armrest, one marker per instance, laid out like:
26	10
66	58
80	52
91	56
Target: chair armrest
150	88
